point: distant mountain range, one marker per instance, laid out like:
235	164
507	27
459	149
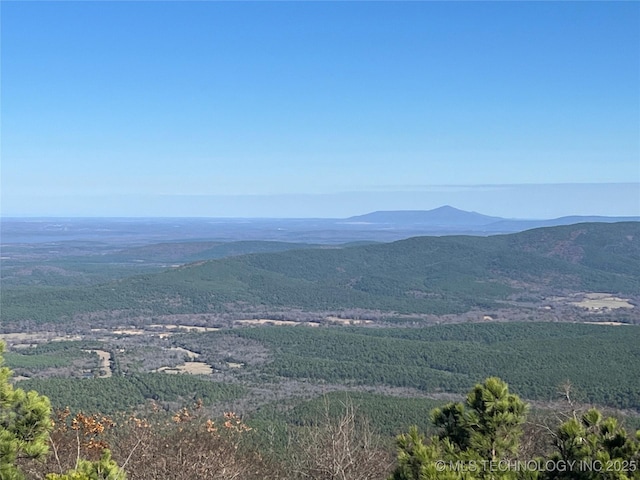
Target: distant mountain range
447	217
381	226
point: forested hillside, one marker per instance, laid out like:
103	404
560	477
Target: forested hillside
428	275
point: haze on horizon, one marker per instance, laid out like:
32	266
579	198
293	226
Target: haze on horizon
319	109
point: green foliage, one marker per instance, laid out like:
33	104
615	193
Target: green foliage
103	469
535	358
51	355
479	440
24	424
417	459
600	448
386	416
123	393
486	428
489	423
20	360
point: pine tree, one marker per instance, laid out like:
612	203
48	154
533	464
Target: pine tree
595	449
103	469
486	429
25	422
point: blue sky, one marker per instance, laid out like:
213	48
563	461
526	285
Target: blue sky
319	108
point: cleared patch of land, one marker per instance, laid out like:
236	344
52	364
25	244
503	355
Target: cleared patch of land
612	324
162	331
348	321
601	301
185	328
105	363
193	368
39	337
129	331
266	321
188	353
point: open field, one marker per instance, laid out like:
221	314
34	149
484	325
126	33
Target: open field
30	338
266	321
610	324
348	321
188	353
184	328
602	301
193	368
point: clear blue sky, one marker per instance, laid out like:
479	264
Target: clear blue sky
319	108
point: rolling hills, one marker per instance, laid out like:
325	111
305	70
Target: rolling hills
421	275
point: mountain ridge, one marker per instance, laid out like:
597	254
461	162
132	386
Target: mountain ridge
421	275
441	216
447	216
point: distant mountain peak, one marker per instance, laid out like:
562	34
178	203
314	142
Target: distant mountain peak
445	208
445	215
